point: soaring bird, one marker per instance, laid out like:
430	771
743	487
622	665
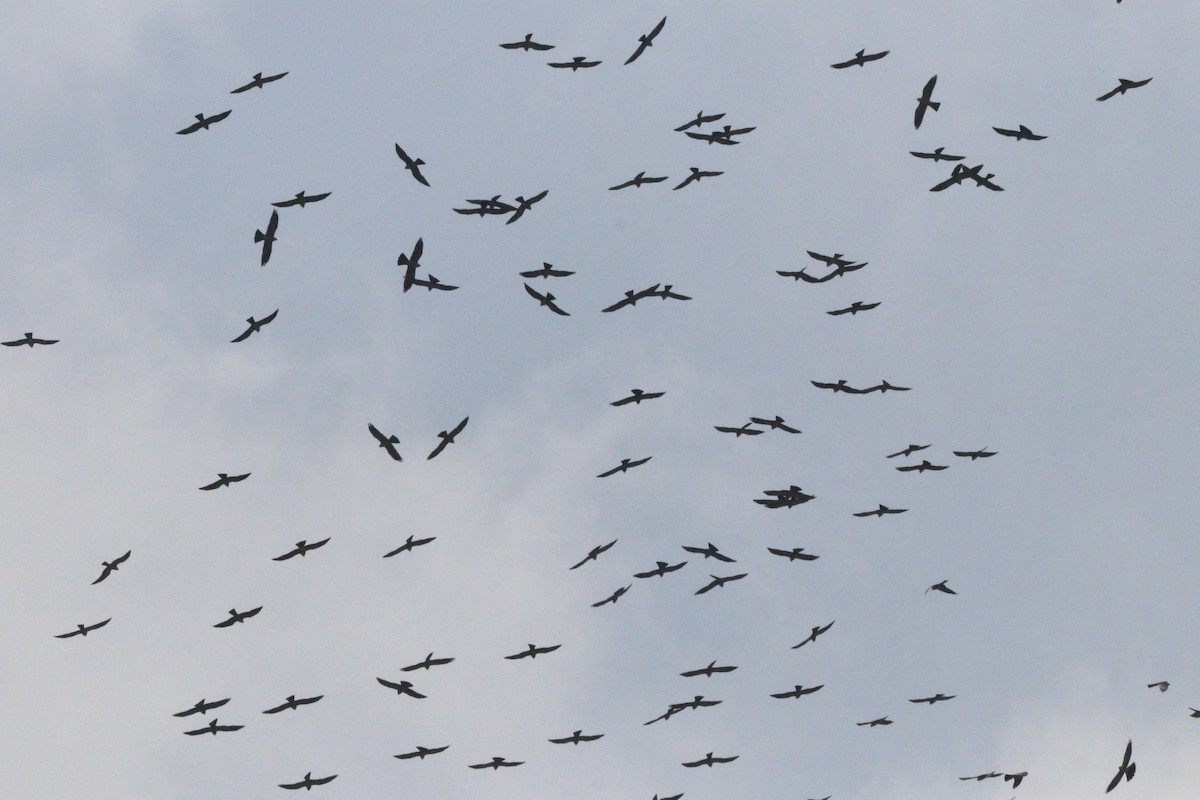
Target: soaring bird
784	498
926	101
302	547
982	777
853	308
744	430
446	438
547	271
812	637
707	671
267	239
236	616
524	205
625	465
936	155
546	300
874	722
660	570
717	583
883	387
255	326
409	544
940	587
776	424
1124	86
29	340
403	687
301	199
630	299
527	44
839	386
723	136
710	552
293	703
203	122
696	175
308	782
709	760
214	728
613	598
485	207
421	752
796	553
533	652
576	63
699	121
413	165
258	82
202	707
961	173
879	512
798	691
908	451
411	263
111	566
83	630
636	396
974	454
496	763
1162	686
594	553
1020	133
224	480
636	181
388	443
1126	769
426	663
646	41
860	58
432	283
922	467
577	737
937	698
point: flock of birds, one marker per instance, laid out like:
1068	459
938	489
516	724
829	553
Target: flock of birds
777	498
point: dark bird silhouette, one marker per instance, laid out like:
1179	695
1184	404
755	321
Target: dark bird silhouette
446	438
784	498
112	566
840	386
202	707
214	728
524	205
546	300
630	299
723	136
912	448
432	283
29	340
1195	712
1126	769
926	101
267	239
224	480
614	597
922	467
936	155
403	687
699	120
308	782
981	180
411	263
675	708
413	165
292	703
636	396
301	199
594	553
646	41
840	270
236	616
576	63
696	175
660	570
83	630
1122	87
485	207
421	752
744	430
1020	133
883	387
853	308
636	181
547	271
429	661
258	82
796	553
665	293
874	722
834	260
982	777
533	652
709	760
798	691
974	454
707	671
409	544
496	763
1015	777
674	797
527	44
860	58
203	122
960	174
812	637
937	698
577	737
717	583
776	424
710	552
1162	686
255	326
302	547
879	512
386	442
625	465
940	587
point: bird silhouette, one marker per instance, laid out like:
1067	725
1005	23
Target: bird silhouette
812	637
413	165
1162	686
202	707
696	175
236	616
1126	770
784	498
840	386
267	239
936	155
547	271
879	512
874	722
293	703
594	553
446	438
203	122
636	396
214	727
527	44
111	566
29	340
613	598
409	544
661	570
776	424
625	465
258	82
546	300
576	63
636	181
796	553
853	308
937	698
1015	778
925	101
83	630
744	430
974	454
700	121
577	737
646	41
709	760
421	752
1020	133
533	652
224	480
798	692
912	448
496	763
301	199
940	587
710	552
924	466
308	782
860	58
524	205
302	547
708	671
426	663
403	687
1123	86
717	582
255	326
388	443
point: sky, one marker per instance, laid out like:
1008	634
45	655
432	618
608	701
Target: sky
1053	323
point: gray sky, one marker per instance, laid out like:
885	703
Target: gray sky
1053	322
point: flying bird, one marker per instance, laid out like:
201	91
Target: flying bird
744	430
547	271
798	691
301	199
723	136
840	386
1195	712
717	583
709	552
696	175
413	165
203	122
576	63
1020	133
432	283
776	424
922	467
630	299
660	570
1162	686
884	387
594	553
625	465
202	707
83	630
1126	769
860	58
292	703
709	760
308	782
974	454
981	777
255	326
267	239
112	566
940	587
613	598
29	340
411	263
577	737
386	442
446	438
636	181
796	553
214	728
926	101
874	722
707	671
784	498
524	205
1015	777
546	300
224	480
429	661
636	396
646	41
403	687
258	82
533	652
409	544
937	698
912	448
485	207
853	308
936	155
879	512
1124	86
421	752
236	616
302	547
812	637
496	763
699	121
527	44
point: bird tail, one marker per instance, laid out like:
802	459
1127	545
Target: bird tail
402	261
259	236
935	105
396	440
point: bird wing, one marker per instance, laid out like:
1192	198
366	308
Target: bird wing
416	172
1107	95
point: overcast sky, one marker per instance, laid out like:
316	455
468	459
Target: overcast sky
1054	323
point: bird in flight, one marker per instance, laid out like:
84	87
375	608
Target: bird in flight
625	465
577	737
83	630
840	386
496	763
812	637
982	777
446	438
202	707
421	752
879	512
707	671
292	703
301	199
744	430
258	82
885	387
546	300
717	583
429	661
802	275
1195	712
709	760
1162	686
636	396
699	121
636	181
696	175
29	340
533	652
1122	87
409	544
776	424
974	454
926	101
660	570
613	598
214	728
236	616
111	566
1126	769
203	122
576	63
796	553
302	547
308	782
547	271
1020	133
594	553
860	58
403	687
784	498
912	448
853	308
709	552
413	165
874	722
1015	778
267	239
527	44
674	708
798	691
937	698
386	442
646	41
961	173
940	587
936	155
922	467
723	136
411	263
223	480
486	207
524	205
255	326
